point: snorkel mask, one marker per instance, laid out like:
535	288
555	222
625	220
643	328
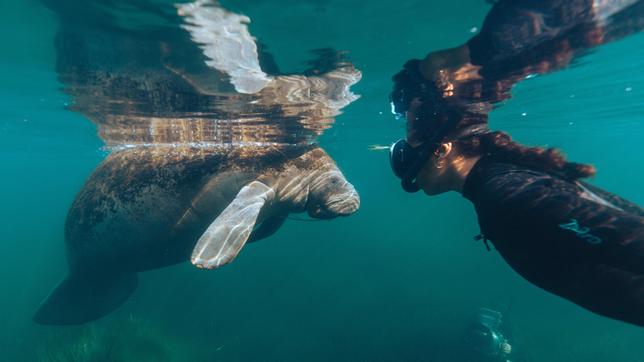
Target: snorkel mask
406	161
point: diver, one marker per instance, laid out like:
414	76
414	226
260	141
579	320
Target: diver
559	232
485	340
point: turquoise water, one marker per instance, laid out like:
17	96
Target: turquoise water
398	281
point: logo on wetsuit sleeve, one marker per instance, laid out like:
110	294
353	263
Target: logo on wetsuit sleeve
582	232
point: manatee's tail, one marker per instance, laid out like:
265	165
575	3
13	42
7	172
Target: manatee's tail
83	298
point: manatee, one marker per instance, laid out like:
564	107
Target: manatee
209	150
150	207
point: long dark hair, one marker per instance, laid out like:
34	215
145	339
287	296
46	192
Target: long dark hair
501	147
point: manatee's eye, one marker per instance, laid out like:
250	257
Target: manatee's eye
336	182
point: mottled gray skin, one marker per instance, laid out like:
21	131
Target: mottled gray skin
146	207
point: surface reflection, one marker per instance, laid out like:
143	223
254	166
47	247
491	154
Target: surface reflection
518	40
195	78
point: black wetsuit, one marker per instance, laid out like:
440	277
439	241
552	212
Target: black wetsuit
569	238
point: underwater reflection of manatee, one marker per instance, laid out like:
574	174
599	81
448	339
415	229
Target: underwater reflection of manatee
207	153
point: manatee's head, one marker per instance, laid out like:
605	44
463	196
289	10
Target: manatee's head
331	195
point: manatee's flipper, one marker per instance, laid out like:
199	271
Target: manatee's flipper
267	228
82	298
223	239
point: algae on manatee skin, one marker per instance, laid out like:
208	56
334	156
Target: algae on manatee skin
124	340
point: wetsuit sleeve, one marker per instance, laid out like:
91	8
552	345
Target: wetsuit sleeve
568	242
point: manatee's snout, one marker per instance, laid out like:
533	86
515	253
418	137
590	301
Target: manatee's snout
344	204
339	198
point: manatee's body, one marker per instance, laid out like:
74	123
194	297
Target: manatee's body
146	207
189	79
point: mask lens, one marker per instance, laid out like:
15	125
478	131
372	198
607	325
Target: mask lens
402	156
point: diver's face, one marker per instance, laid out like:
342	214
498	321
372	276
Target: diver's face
429	178
432	177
